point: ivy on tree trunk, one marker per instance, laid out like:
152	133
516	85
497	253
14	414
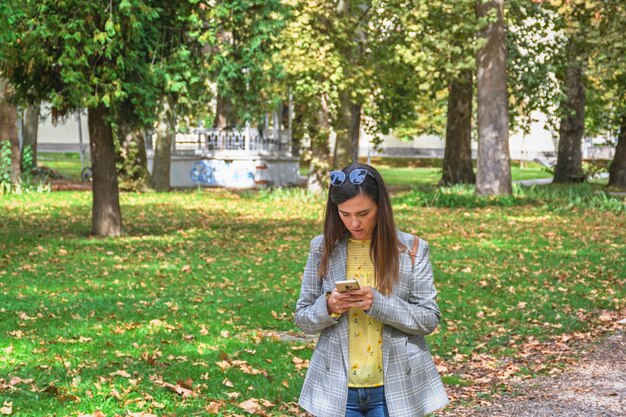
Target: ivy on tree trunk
8	127
31	128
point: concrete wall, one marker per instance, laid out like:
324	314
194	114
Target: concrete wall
241	170
538	142
62	136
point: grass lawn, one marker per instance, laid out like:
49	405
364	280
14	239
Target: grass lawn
181	315
66	163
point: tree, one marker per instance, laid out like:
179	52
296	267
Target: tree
106	213
312	73
240	53
445	49
8	127
345	54
180	75
575	20
494	167
380	86
606	113
165	135
457	165
446	40
617	170
351	18
88	55
572	127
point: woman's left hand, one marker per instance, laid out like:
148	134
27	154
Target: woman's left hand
361	299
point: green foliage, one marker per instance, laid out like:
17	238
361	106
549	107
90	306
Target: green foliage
242	38
6	183
29	180
76	55
606	92
534	54
441	43
553	197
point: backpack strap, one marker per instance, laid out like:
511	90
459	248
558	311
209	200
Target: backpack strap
413	251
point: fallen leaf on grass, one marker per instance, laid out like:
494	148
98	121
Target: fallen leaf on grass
178	389
187	383
59	393
252	406
121	373
97	413
300	363
7	408
247	369
17	380
243	366
293	409
214	407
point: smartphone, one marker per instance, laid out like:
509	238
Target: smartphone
350	284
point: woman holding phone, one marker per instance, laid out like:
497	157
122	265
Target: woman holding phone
371	358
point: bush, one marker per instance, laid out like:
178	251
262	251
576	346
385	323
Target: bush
30	180
556	197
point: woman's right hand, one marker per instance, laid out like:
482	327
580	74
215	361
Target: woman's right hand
338	302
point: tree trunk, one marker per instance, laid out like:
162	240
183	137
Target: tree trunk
569	159
8	128
223	112
31	127
355	130
298	131
617	170
166	129
348	123
457	160
107	216
344	144
493	176
320	154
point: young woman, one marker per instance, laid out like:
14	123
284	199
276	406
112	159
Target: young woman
371	358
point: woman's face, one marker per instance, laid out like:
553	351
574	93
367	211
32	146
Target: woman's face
359	215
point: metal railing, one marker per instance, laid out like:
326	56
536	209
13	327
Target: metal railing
247	139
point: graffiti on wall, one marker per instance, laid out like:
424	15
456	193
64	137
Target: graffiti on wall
219	173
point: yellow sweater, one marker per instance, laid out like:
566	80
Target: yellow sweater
365	333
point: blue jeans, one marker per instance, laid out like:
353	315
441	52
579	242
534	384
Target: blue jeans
367	402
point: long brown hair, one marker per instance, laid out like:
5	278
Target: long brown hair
384	245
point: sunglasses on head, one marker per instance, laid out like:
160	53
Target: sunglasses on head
356	177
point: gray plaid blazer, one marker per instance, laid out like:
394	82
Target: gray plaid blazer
413	386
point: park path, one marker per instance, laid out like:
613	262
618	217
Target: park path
594	386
